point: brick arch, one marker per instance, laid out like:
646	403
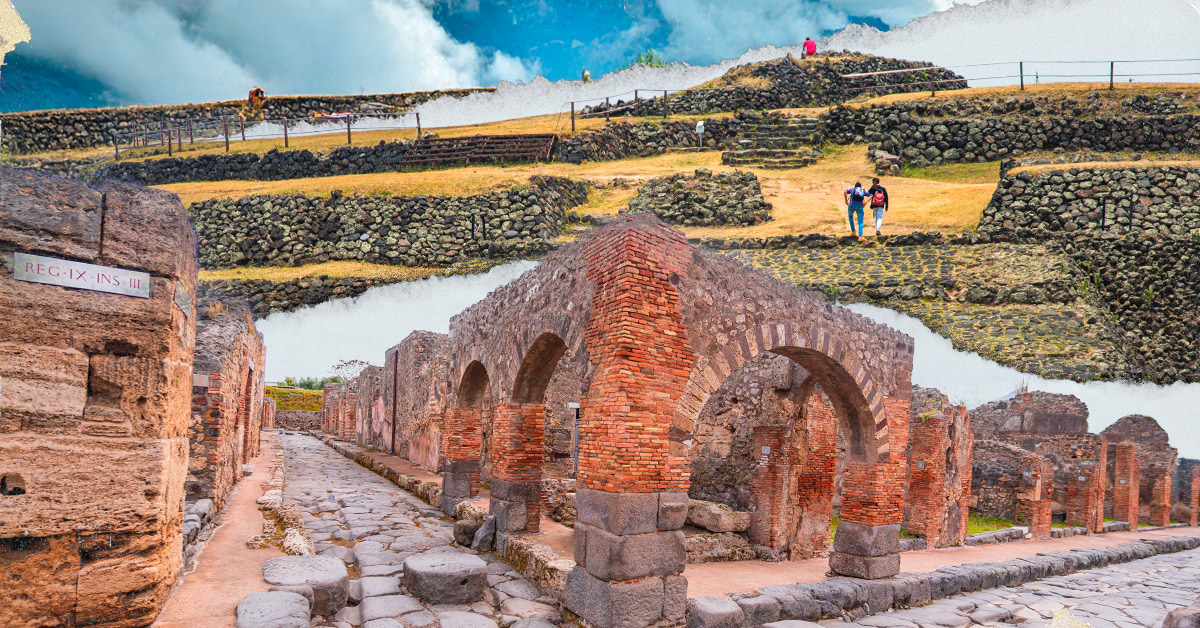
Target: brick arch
537	366
472	386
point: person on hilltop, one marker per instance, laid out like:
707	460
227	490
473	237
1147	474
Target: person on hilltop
586	76
854	198
879	204
810	48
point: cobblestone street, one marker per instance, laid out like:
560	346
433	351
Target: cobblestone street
373	525
1137	594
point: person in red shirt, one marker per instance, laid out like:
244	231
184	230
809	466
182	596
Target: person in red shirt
810	47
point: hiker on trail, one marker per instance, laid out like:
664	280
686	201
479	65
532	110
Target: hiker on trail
810	48
854	200
879	203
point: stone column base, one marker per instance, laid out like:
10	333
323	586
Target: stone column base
517	506
657	601
865	551
460	481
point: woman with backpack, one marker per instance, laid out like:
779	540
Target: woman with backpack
854	198
879	204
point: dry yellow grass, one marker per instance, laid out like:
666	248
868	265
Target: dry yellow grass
808	200
331	269
1122	90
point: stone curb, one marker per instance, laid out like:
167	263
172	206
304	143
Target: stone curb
835	597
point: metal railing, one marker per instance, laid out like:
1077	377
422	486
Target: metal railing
227	129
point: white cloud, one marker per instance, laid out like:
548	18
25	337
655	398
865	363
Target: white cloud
12	30
189	50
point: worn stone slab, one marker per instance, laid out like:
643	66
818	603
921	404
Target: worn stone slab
388	606
273	609
707	611
461	619
326	575
445	578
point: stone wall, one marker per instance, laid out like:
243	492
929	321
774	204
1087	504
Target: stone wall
1125	201
94	410
789	83
298	420
414	396
726	199
622	140
413	230
977	130
1151	287
227	397
61	129
999	486
1033	413
274	165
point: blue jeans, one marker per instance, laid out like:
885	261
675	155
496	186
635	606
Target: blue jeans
851	213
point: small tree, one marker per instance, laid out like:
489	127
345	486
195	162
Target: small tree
650	58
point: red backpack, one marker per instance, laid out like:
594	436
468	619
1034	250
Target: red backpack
877	199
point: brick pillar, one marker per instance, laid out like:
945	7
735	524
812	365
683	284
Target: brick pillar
633	479
349	425
1125	483
771	486
1194	497
1160	496
1035	494
517	436
1085	505
814	486
461	463
867	541
926	478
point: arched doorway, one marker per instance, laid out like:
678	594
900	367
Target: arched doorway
462	457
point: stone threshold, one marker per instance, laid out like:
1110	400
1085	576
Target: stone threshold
850	598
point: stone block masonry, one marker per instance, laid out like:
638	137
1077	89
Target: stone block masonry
227	398
94	406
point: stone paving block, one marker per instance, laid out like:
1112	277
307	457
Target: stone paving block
519	589
326	575
373	586
792	623
387	622
445	578
528	609
707	611
273	609
532	623
460	619
388	606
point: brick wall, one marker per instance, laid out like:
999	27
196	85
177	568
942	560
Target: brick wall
227	397
1155	455
1124	482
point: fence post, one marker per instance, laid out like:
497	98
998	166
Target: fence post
1021	65
418	125
225	126
348	116
170	142
607	109
285	138
242	124
572	116
191	136
116	148
180	137
160	133
666	107
1111	65
636	108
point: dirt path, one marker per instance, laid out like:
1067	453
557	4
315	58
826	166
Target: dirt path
226	570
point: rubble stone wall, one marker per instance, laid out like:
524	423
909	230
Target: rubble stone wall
298	420
275	230
94	411
938	486
227	398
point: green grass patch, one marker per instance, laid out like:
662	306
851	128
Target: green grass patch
977	524
833	524
288	399
986	172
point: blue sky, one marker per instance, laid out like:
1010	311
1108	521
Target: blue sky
95	52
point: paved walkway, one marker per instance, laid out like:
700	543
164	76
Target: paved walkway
1137	594
373	525
751	575
226	570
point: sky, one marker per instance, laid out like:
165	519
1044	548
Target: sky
101	52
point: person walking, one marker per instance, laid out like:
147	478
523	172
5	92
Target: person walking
879	204
854	198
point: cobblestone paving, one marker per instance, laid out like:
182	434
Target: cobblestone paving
1015	304
373	525
1137	594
